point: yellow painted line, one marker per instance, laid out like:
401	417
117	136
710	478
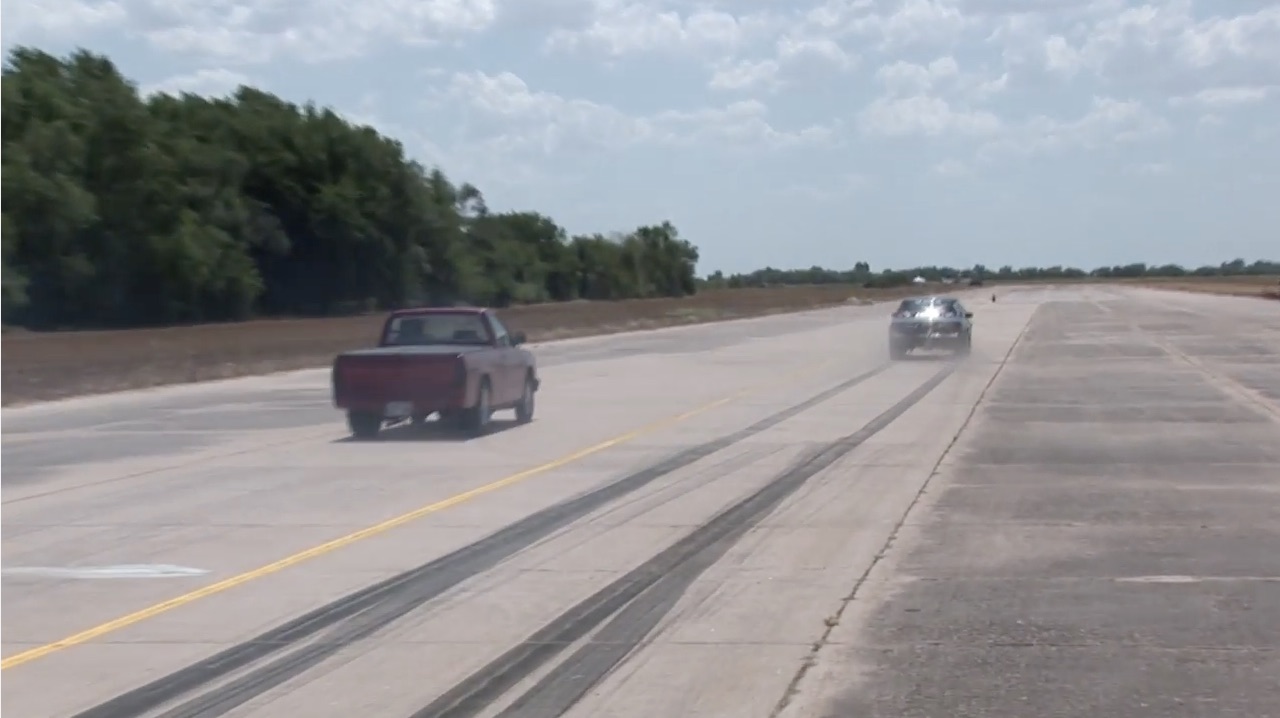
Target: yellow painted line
229	583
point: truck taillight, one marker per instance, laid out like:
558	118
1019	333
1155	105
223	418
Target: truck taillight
460	372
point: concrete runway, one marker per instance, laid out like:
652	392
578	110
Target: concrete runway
749	519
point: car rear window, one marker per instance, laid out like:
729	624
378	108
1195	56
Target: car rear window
913	307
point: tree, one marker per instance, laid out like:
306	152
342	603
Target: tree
121	211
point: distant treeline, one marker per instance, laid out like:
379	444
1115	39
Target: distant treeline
862	275
120	210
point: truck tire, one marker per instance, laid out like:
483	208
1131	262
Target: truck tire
476	419
364	424
524	410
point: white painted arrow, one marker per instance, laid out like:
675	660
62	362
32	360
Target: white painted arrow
129	570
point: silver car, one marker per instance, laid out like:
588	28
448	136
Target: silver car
930	323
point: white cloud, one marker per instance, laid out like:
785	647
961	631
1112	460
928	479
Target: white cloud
310	30
810	51
624	28
1210	122
951	168
745	74
1253	36
742	124
981	89
797	60
1107	122
214	82
1149	169
841	189
914	23
941	76
905	78
58	19
1222	97
1140	42
1061	57
924	115
506	111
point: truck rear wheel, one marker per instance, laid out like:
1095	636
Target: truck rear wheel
364	424
477	418
524	410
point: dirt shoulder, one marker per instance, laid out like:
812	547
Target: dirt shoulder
44	366
1262	286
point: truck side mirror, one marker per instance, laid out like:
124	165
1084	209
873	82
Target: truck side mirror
518	338
968	315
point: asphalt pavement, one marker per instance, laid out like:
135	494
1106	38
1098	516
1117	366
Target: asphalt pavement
755	518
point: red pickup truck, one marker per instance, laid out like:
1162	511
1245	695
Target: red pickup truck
460	363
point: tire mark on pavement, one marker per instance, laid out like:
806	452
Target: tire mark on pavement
824	640
639	599
362	613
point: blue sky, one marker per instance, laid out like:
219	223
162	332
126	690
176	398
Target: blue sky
898	132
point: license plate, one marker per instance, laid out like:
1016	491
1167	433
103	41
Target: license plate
397	409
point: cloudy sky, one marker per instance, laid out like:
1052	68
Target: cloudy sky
900	132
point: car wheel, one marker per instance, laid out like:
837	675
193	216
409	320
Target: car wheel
524	410
897	351
478	416
364	424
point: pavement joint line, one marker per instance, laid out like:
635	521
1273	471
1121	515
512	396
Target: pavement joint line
1224	382
328	547
1216	378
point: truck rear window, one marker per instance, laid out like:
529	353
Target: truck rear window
436	329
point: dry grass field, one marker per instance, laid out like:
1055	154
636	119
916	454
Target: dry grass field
44	366
1264	286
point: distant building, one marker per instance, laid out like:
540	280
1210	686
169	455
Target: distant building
918	280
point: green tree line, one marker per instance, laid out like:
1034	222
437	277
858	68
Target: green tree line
124	210
862	275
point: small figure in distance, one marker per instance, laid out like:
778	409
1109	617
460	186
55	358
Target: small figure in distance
993	297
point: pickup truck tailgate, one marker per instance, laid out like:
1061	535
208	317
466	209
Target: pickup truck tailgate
373	378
